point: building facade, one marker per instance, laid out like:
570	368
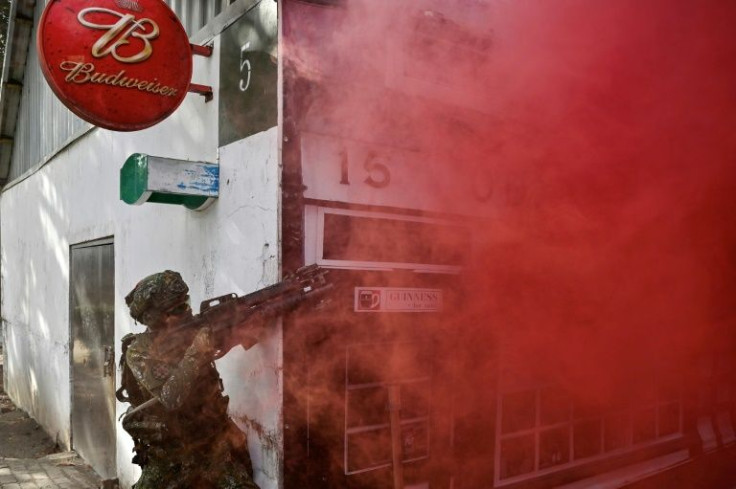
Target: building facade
83	249
457	167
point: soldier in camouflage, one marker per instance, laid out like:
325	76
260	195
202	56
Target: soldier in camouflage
184	438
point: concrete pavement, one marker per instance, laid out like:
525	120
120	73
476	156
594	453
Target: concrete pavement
56	471
21	436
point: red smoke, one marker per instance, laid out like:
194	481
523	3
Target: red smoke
597	141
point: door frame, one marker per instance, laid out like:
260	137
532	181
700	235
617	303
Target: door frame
104	241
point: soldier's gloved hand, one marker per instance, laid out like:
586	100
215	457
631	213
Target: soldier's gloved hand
203	344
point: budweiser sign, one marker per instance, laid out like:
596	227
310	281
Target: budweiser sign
119	64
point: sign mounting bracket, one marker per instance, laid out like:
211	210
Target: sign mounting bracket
205	51
203	90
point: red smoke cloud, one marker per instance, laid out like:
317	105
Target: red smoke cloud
598	140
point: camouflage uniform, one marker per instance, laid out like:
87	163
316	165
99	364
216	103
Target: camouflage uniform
186	440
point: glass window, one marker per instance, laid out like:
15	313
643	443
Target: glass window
554	447
517	456
371	368
587	438
545	428
368	406
369	449
363	239
616	431
644	425
414	441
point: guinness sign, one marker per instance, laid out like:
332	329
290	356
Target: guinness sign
123	65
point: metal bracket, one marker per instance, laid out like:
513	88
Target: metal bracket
199	50
204	90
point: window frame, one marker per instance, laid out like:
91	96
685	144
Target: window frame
538	428
403	381
314	236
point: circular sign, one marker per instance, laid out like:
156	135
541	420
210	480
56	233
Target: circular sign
119	64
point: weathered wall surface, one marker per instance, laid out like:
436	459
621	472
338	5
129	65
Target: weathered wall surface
233	246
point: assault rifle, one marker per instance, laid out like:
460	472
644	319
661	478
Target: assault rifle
230	314
243	317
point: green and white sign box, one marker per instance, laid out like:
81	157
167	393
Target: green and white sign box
145	178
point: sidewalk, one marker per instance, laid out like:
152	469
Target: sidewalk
56	471
26	458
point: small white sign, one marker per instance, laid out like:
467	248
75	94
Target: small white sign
392	299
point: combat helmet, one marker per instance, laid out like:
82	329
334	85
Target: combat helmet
156	295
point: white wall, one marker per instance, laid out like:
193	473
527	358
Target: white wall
231	247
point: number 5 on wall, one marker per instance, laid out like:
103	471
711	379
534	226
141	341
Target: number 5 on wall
244	63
